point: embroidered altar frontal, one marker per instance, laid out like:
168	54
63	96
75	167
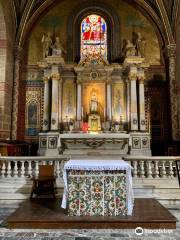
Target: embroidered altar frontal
97	193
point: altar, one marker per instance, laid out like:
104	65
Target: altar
94	107
98	188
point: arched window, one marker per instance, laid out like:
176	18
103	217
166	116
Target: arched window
93	37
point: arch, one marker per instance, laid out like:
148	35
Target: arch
143	6
113	29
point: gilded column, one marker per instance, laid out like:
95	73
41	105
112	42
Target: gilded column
171	50
46	112
79	100
133	95
55	98
109	101
141	77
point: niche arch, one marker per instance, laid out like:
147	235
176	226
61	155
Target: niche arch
113	29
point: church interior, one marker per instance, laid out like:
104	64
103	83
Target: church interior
90	80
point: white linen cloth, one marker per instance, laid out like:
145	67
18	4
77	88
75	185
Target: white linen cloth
100	165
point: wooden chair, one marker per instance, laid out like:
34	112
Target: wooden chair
45	182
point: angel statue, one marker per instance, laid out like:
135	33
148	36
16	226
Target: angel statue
128	49
57	48
47	44
140	44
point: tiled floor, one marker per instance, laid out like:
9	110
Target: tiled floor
103	234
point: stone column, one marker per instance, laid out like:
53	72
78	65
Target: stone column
141	77
171	50
109	101
128	102
17	67
133	95
79	101
55	98
60	99
46	112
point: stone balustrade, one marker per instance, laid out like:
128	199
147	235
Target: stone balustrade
153	167
26	167
143	167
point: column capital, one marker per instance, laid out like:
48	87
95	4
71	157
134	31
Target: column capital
45	78
141	76
133	72
171	50
55	76
78	81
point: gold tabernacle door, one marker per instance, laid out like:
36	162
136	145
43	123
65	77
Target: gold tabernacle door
94	122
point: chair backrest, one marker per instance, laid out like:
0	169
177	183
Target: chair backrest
46	170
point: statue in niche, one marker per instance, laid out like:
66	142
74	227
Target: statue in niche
47	44
57	48
93	102
139	43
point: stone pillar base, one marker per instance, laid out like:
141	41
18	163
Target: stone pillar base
140	144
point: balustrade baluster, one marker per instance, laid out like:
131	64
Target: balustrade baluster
15	169
149	169
8	169
171	173
36	168
135	169
163	170
22	169
156	169
3	169
142	172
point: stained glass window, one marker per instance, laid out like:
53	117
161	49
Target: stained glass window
93	37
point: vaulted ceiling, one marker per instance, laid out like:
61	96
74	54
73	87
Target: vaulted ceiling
163	11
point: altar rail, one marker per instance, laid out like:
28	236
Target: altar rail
153	167
21	167
143	167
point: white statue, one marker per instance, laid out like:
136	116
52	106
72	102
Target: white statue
140	44
94	103
57	48
47	44
128	49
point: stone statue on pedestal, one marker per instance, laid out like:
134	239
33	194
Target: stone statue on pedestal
57	48
47	44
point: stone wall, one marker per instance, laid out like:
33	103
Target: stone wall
7	31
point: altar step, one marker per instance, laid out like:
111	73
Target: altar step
47	213
15	192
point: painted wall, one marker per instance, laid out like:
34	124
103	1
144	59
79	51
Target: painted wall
55	21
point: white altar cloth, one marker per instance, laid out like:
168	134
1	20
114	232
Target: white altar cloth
100	165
